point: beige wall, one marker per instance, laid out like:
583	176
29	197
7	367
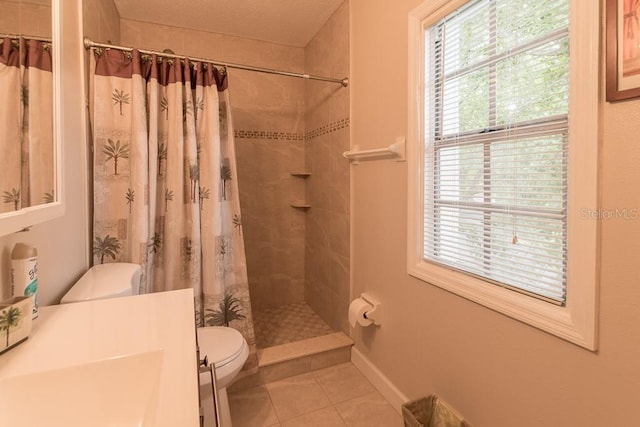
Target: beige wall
327	125
62	243
494	370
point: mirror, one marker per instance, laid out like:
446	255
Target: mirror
29	176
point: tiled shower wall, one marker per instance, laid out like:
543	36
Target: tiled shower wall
327	124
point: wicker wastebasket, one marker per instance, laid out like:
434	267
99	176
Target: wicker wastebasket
431	411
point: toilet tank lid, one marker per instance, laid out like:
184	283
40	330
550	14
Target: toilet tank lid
104	281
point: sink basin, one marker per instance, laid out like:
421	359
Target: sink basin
120	391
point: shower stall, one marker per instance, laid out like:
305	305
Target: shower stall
290	134
294	187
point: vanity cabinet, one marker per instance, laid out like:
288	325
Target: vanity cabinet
96	352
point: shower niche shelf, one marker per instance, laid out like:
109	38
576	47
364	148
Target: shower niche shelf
300	205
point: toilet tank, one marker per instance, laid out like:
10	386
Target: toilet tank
102	281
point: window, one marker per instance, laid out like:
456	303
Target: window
503	157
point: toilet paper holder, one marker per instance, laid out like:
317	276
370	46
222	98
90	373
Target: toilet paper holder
375	313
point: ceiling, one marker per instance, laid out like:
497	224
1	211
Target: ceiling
288	22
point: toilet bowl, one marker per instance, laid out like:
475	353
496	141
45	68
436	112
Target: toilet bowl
227	350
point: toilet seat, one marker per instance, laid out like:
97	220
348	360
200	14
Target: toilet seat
221	345
227	351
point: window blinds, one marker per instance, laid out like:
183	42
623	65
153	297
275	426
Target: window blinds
496	130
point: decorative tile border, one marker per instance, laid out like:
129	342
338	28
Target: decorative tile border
259	134
293	136
331	127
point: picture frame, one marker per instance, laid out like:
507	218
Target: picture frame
622	49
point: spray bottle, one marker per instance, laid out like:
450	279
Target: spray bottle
24	273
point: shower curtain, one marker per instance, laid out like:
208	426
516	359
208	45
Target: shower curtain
165	183
26	123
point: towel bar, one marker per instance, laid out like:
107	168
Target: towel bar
393	151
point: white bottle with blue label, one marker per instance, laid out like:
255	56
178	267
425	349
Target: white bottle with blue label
24	273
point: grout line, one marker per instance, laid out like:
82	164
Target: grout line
321	388
271	401
340	415
305	413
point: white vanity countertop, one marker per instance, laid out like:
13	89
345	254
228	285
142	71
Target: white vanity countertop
73	334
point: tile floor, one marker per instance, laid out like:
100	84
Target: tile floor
288	323
335	396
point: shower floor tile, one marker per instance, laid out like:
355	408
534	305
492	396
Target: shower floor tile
289	323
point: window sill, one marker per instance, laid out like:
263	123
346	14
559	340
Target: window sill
563	322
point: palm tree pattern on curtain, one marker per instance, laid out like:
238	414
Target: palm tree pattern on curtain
165	182
26	137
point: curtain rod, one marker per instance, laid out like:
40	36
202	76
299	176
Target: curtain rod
17	36
89	44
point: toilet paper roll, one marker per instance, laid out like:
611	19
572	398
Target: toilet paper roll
357	310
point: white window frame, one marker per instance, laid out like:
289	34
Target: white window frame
576	321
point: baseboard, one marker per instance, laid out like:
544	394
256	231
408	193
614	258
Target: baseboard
390	392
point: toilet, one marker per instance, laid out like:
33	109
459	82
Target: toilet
225	348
